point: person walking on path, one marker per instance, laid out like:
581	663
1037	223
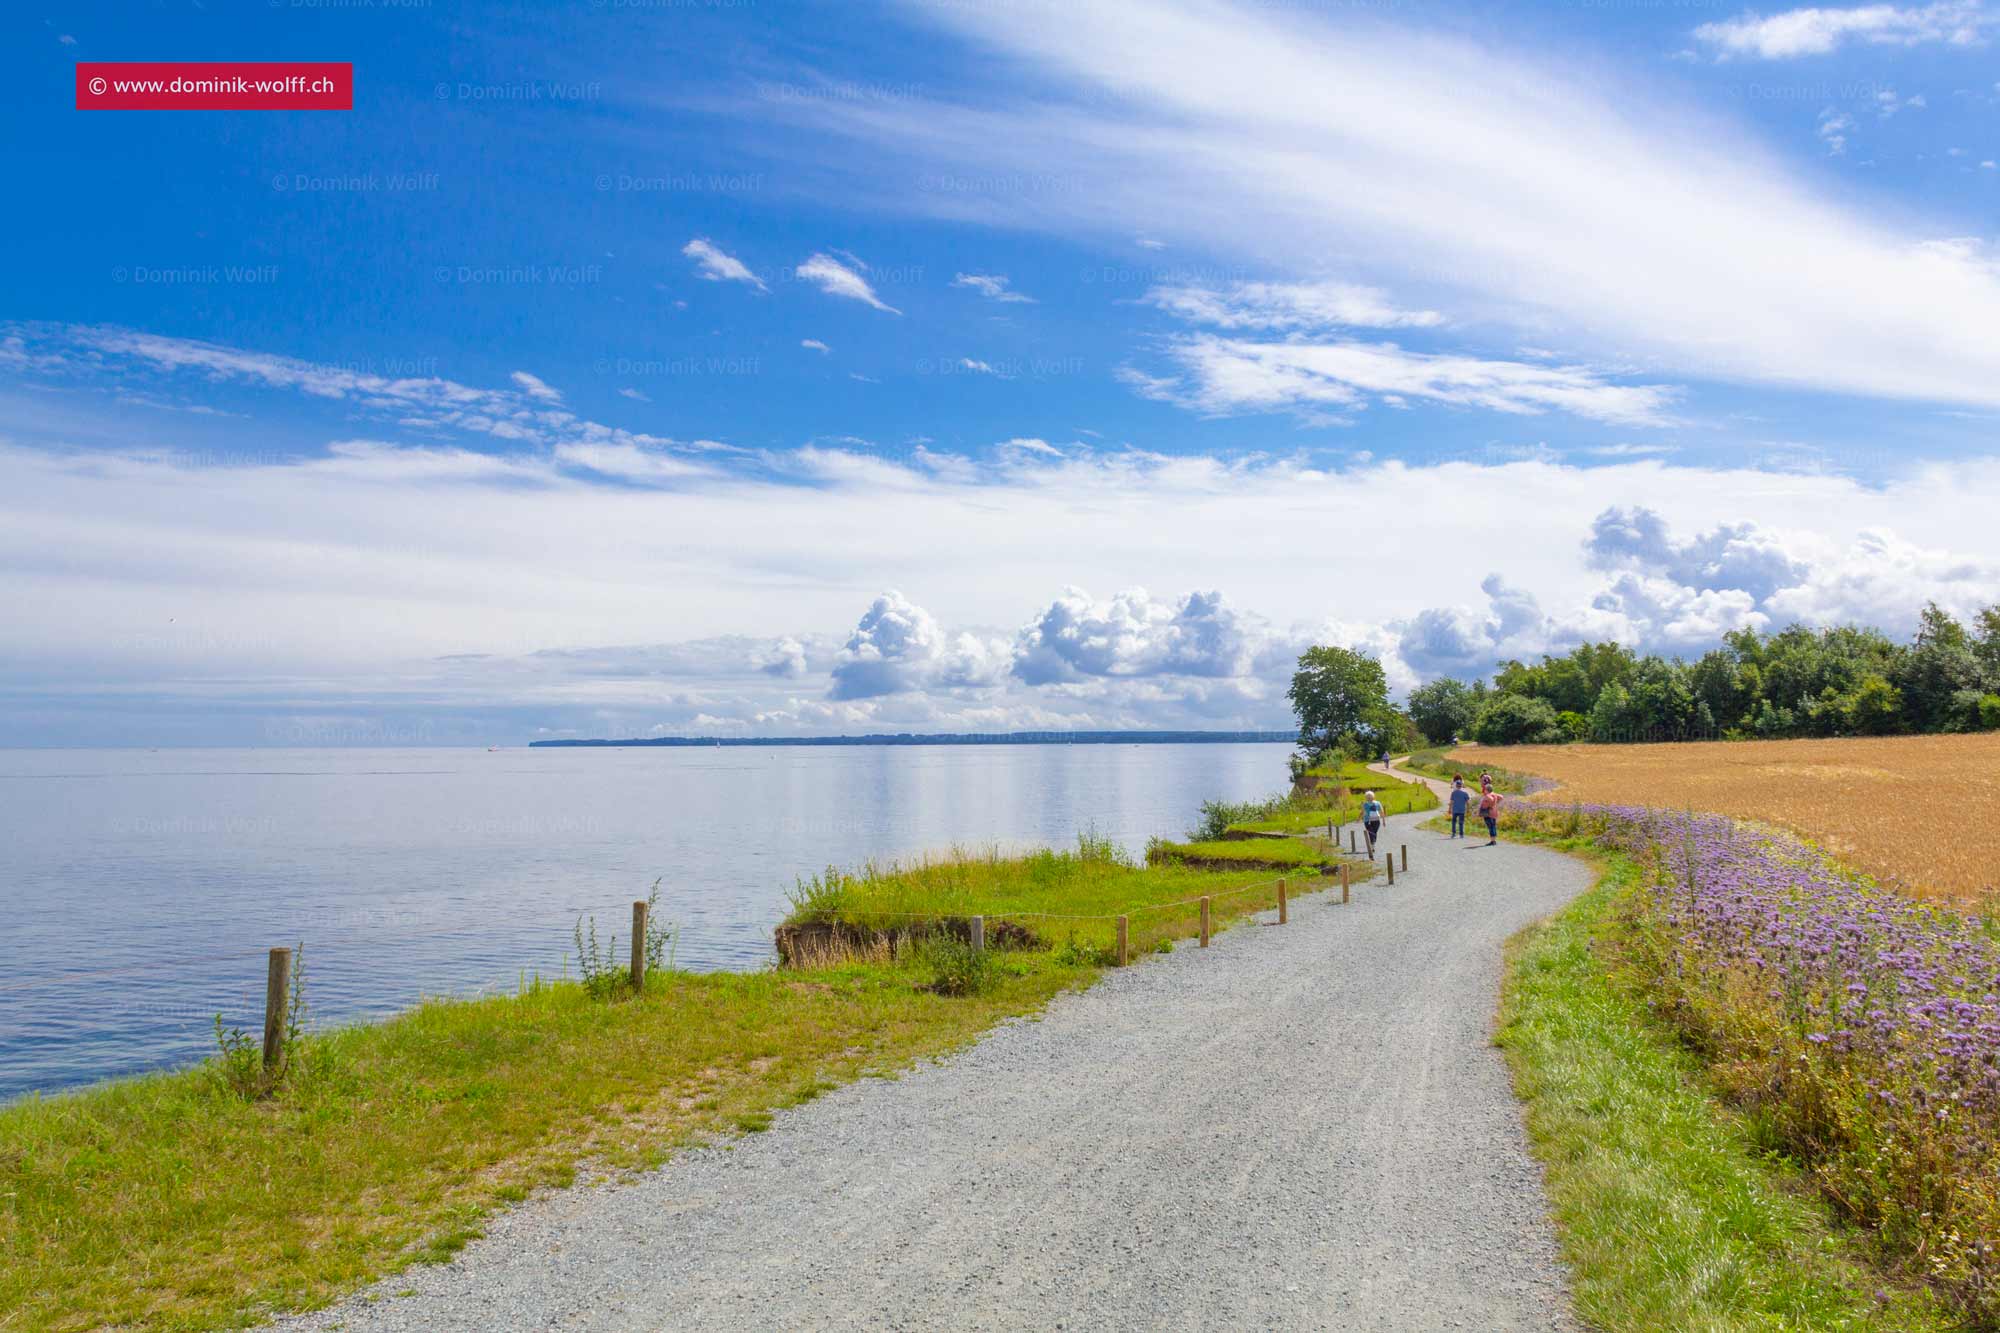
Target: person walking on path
1371	819
1461	801
1489	810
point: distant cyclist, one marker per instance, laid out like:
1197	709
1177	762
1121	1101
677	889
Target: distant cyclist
1461	802
1489	810
1371	819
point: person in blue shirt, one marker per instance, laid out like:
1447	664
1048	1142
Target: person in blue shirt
1371	819
1461	801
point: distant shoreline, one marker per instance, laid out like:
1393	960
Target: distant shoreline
956	738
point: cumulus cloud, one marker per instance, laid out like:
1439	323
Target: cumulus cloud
1815	31
716	265
1733	555
785	659
1679	596
1132	634
993	286
898	647
837	279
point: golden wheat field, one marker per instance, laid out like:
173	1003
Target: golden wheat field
1919	811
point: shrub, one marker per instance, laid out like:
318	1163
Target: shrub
1217	816
1989	712
1511	719
954	966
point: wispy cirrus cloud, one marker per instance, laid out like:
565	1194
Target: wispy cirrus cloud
834	278
1814	31
1289	305
1650	229
717	265
993	286
1232	375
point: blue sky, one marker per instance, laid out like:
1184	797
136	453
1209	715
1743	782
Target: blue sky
682	367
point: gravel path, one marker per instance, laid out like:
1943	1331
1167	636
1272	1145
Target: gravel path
1303	1127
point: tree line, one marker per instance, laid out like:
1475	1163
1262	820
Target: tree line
1798	681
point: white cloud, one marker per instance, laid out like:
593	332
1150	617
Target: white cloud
1888	102
1651	229
635	395
1815	31
1288	305
976	367
897	648
362	576
814	345
837	279
1834	127
992	285
717	266
1226	375
535	388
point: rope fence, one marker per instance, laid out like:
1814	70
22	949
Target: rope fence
279	962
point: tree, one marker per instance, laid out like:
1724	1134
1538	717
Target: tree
1332	692
1875	708
1443	709
1386	730
1512	719
1939	668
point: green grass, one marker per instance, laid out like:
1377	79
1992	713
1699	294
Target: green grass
1057	894
1310	811
172	1202
1278	854
1432	763
1669	1215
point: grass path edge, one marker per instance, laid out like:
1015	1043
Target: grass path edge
1668	1215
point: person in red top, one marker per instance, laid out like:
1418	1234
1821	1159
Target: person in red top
1489	810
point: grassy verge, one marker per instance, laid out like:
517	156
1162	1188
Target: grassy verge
1335	793
1434	763
173	1202
1669	1214
1275	854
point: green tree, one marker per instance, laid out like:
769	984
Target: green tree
1444	708
1513	719
1876	708
1938	669
1333	692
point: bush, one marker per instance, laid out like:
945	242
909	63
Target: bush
1989	713
955	967
1217	816
1510	719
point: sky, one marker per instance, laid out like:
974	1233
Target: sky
676	367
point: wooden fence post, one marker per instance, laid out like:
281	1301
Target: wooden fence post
1390	862
277	998
1124	951
1204	921
1282	915
639	946
1350	842
1406	858
1346	880
978	934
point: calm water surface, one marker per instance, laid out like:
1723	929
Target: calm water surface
139	890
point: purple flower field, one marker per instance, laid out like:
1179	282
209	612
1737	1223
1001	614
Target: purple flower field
1861	1026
